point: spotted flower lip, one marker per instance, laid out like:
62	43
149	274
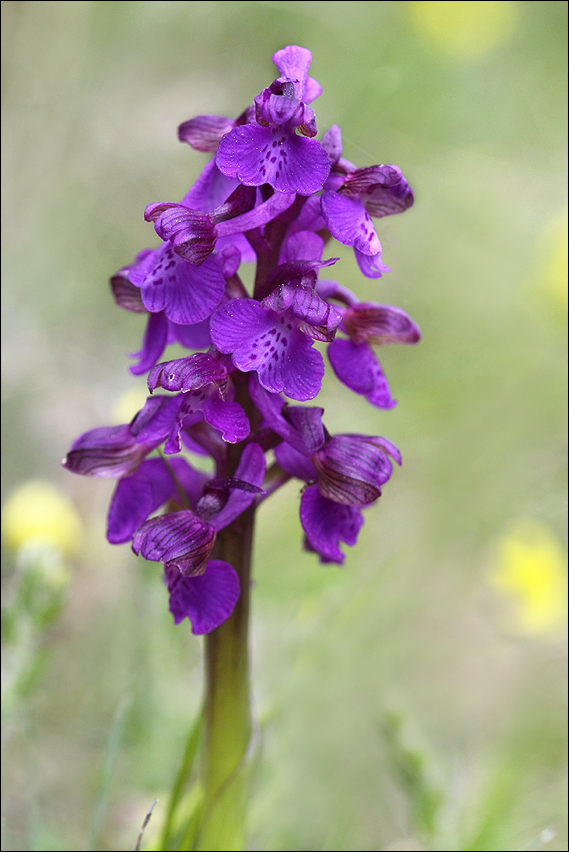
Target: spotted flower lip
206	600
256	155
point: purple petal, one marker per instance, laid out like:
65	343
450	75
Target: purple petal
179	539
208	600
137	496
109	451
251	469
357	367
378	441
210	190
284	360
155	340
204	131
256	155
300	426
326	524
187	293
350	223
155	418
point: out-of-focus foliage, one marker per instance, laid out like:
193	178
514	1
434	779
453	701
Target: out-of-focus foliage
415	698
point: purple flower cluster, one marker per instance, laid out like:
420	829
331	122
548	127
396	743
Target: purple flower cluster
274	194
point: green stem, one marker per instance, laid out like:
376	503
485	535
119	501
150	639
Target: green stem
227	707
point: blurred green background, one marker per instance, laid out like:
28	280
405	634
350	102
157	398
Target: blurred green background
414	699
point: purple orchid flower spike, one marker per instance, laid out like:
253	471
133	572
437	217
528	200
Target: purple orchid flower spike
273	194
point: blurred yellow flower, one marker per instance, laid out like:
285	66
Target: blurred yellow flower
37	513
552	258
531	571
129	404
465	29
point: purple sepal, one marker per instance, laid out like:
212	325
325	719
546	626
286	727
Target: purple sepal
108	451
382	190
255	155
351	469
379	324
127	295
326	524
192	234
295	463
154	343
208	600
356	365
139	495
300	426
155	419
180	540
204	131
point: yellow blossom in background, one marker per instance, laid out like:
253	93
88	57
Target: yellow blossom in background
129	404
37	513
464	29
552	267
531	572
